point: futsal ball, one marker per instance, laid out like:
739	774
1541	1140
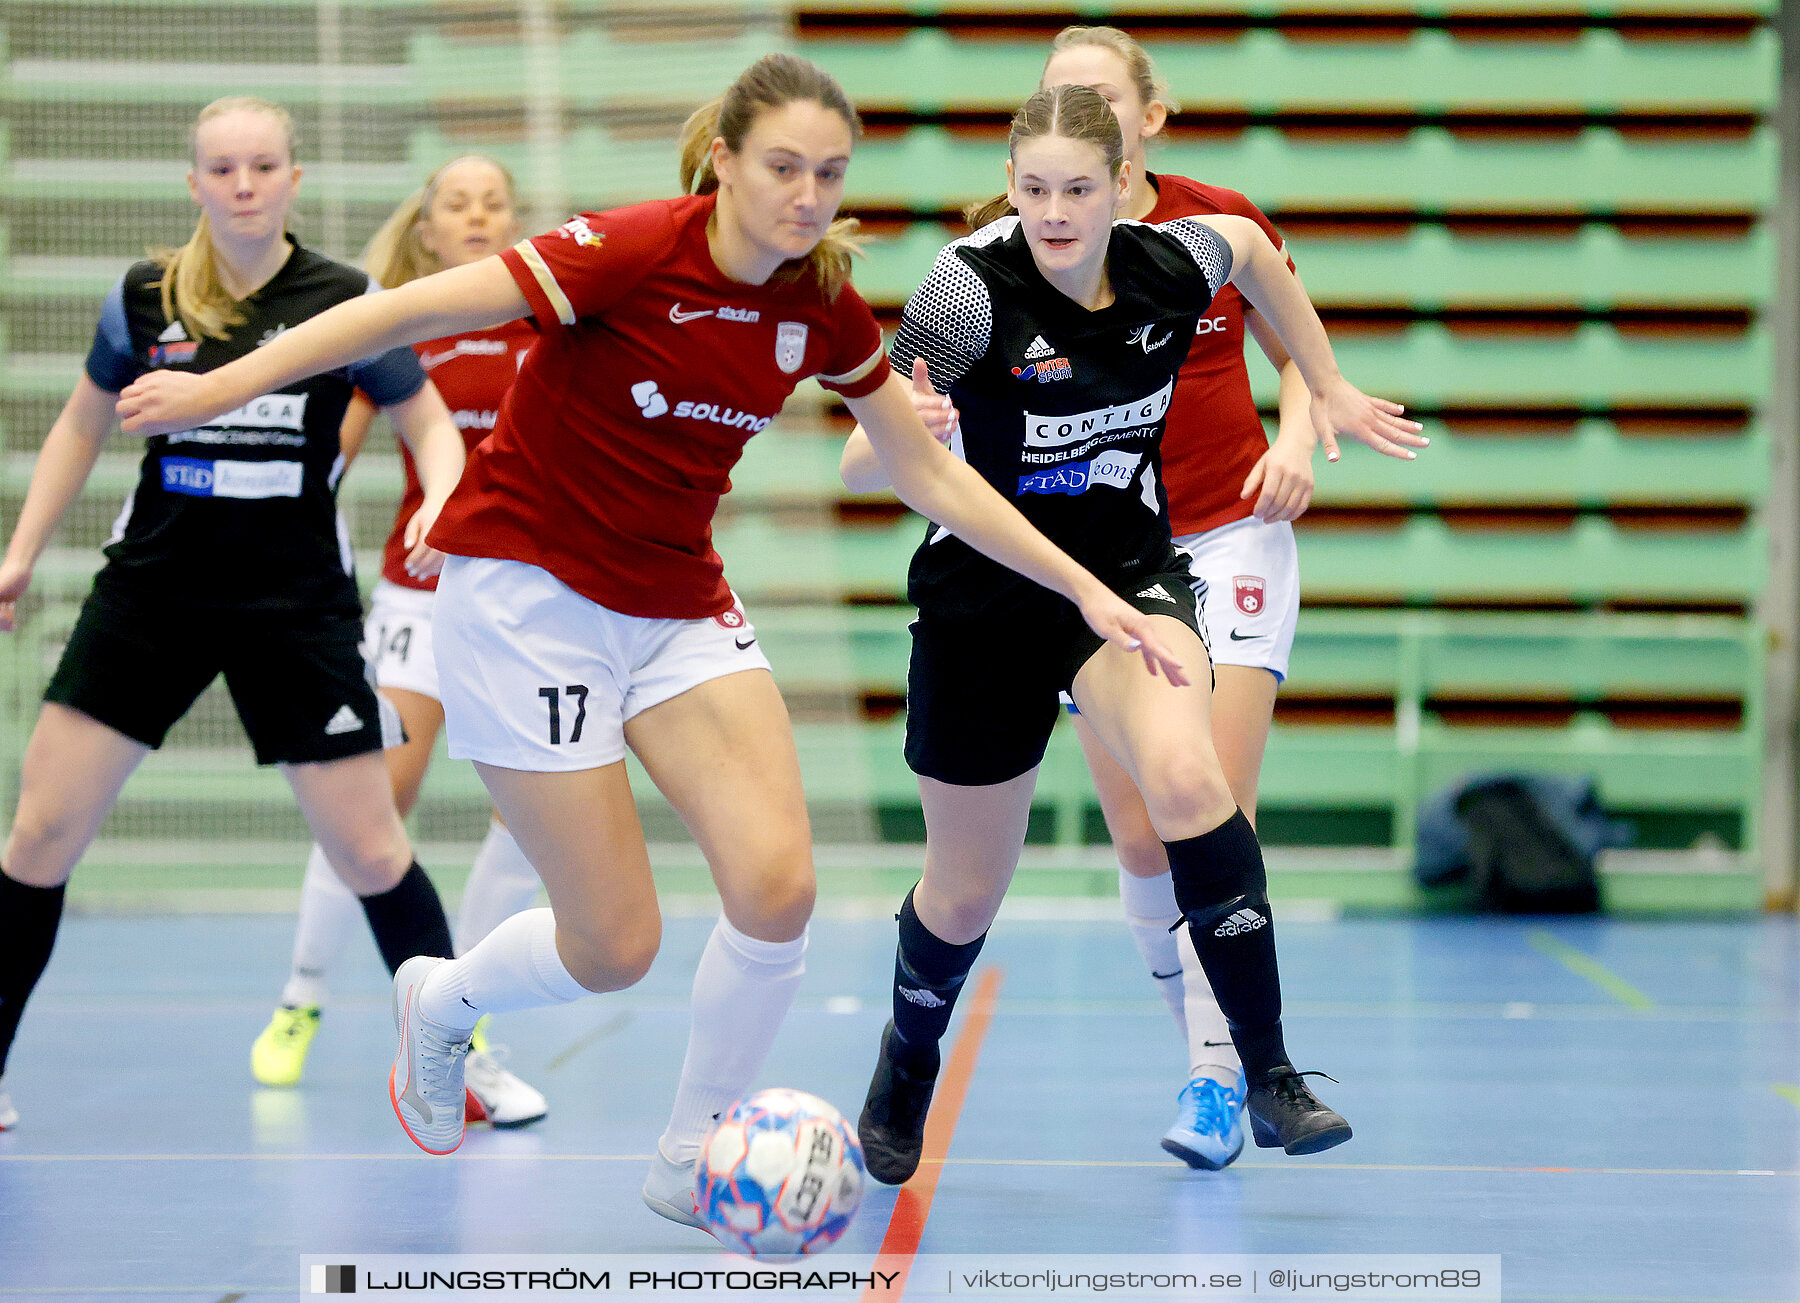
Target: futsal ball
781	1173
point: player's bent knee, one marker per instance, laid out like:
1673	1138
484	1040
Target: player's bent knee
45	842
1186	797
777	906
1141	854
370	868
610	958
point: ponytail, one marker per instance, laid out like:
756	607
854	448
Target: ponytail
192	290
980	215
395	254
697	136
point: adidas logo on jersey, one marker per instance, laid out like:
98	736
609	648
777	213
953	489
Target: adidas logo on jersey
1038	348
173	334
1245	920
345	721
924	999
1157	593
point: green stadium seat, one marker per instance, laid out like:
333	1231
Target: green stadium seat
932	69
1597	170
1125	12
1431	268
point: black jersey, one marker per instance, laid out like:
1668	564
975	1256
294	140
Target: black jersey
1062	408
241	512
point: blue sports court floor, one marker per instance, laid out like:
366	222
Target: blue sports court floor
1614	1107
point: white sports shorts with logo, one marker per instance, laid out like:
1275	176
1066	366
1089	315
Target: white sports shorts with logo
1252	573
397	638
534	676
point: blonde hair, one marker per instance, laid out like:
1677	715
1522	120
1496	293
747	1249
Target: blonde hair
773	81
192	290
395	254
1070	111
1151	89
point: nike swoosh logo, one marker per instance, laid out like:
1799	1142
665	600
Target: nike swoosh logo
1246	637
677	316
465	1000
744	646
1163	977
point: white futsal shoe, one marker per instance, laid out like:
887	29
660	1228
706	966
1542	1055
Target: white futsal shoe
9	1116
425	1084
669	1189
500	1098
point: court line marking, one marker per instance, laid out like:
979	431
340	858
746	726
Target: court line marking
926	1162
1790	1093
906	1223
1585	965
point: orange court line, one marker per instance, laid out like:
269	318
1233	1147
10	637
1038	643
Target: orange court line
906	1225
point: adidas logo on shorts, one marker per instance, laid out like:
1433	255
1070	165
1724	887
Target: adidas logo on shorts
345	721
1245	920
1038	348
924	999
1156	592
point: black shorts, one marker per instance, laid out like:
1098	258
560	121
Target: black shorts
976	714
299	681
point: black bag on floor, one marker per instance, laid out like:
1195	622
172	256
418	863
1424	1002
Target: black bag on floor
1520	859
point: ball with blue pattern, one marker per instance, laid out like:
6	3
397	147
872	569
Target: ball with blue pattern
781	1174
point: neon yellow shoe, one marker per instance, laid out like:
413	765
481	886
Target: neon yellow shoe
279	1055
478	1042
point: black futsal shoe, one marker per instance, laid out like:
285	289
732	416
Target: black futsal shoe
1285	1114
892	1126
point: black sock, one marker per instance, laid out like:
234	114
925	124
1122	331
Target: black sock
1223	893
408	919
928	976
28	920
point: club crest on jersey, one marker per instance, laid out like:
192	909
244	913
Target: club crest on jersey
1055	368
731	619
790	345
577	229
1247	592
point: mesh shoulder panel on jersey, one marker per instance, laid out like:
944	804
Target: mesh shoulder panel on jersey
1209	252
949	319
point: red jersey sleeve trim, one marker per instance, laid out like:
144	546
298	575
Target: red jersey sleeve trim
548	302
863	380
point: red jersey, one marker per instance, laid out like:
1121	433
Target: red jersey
473	373
1214	436
652	372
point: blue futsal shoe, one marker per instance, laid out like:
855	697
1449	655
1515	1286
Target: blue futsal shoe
1209	1131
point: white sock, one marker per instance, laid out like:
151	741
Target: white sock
515	966
742	991
1150	911
330	914
1211	1052
500	885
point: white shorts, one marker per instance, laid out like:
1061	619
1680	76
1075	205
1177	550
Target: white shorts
1252	573
534	676
397	638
